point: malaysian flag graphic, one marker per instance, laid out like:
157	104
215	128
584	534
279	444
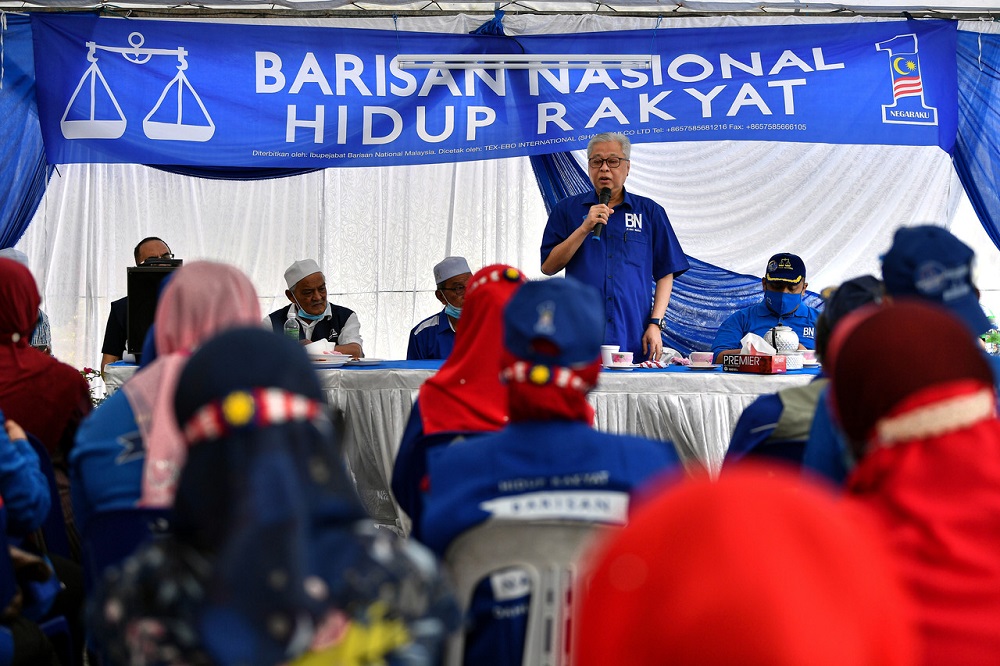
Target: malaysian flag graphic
908	106
906	77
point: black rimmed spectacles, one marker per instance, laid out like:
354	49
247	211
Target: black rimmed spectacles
612	162
459	289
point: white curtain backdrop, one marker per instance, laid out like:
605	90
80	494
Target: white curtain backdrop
378	231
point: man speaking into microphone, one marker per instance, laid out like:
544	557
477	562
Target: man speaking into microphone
619	243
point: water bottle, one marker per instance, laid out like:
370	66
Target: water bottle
292	329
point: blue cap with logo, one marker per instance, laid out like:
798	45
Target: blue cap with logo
556	322
929	262
785	267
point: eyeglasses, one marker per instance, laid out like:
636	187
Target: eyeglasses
165	255
460	289
612	162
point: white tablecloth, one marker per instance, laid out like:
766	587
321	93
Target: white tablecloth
697	411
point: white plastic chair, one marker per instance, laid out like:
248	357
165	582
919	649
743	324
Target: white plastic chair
549	551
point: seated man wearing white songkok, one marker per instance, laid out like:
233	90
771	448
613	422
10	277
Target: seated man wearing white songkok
317	319
434	337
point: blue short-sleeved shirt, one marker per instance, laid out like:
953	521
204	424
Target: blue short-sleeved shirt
637	247
759	319
433	338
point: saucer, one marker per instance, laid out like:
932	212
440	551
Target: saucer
703	366
810	364
329	359
623	366
365	361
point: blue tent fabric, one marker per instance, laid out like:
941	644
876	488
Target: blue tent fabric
977	149
23	170
232	173
702	298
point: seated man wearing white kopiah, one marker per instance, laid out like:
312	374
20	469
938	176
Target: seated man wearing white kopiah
317	319
434	337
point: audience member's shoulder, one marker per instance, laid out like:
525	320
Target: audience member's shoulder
646	451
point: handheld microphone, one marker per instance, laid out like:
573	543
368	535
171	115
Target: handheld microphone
603	197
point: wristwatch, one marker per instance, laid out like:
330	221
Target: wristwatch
661	322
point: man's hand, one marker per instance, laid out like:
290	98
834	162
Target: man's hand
598	214
652	343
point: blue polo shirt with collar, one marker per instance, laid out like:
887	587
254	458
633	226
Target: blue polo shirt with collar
433	338
637	247
759	319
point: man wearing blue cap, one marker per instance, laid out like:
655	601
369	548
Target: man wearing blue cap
930	263
434	337
317	318
779	425
548	462
784	285
620	244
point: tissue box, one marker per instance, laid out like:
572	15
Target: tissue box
756	363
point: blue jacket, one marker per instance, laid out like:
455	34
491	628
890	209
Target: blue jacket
23	487
105	465
553	469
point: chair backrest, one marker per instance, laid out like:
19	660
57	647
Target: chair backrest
549	551
111	536
54	527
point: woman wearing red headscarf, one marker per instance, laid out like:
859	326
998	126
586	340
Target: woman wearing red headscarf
131	450
465	397
923	427
45	397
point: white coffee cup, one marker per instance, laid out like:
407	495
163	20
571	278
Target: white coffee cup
793	360
606	351
619	358
702	357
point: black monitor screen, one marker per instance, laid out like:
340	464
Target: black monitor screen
143	292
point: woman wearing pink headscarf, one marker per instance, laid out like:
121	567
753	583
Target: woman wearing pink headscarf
130	451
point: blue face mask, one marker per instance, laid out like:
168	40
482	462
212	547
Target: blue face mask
302	314
451	310
781	303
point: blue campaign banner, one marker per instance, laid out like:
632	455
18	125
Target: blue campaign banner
216	94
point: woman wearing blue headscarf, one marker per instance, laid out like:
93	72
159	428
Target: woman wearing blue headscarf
271	557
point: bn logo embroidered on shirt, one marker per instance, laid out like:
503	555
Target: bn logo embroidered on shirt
633	221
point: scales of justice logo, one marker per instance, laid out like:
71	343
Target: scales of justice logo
908	107
93	112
